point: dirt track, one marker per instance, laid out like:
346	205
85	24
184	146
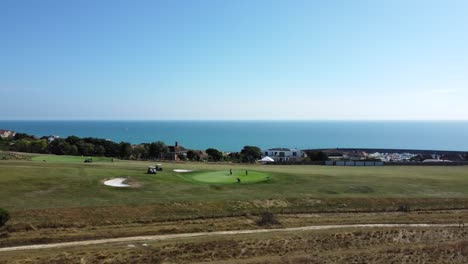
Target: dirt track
217	233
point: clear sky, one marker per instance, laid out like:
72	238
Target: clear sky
330	59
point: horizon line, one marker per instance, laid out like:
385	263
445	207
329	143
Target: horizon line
245	120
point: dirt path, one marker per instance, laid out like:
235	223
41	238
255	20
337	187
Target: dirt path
217	233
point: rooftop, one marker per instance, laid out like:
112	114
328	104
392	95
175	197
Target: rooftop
281	149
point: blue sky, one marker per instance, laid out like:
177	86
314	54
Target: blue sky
341	60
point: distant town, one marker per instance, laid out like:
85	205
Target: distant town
396	155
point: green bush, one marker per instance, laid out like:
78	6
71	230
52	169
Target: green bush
4	217
404	208
267	219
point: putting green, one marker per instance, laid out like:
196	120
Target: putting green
224	177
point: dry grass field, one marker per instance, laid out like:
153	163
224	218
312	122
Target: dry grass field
412	245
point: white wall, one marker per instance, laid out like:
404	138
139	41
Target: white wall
288	154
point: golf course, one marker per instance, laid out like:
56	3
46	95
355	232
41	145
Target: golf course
61	198
66	181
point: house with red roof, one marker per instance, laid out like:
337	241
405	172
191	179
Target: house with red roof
7	133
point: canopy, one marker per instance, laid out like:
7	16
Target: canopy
267	159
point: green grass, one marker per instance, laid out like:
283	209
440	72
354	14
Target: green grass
64	182
64	198
64	158
224	177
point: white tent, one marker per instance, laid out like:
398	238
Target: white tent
267	159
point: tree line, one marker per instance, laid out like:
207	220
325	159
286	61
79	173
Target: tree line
98	147
158	150
87	146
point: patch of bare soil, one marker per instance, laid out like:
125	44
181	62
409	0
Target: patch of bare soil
269	203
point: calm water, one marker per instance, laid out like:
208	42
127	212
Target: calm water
233	135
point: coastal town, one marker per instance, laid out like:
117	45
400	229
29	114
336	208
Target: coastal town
53	144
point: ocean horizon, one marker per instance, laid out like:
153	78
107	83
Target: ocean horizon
232	135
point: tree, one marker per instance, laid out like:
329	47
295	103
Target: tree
72	140
234	156
99	150
157	150
39	146
61	147
182	157
23	145
19	136
4	217
250	154
193	155
31	145
317	155
85	148
71	150
112	148
5	143
214	154
140	151
125	150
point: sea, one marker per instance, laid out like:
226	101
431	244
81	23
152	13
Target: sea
234	135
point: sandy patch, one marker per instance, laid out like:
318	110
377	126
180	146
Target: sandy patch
179	170
269	203
117	182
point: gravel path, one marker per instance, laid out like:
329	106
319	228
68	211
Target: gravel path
206	234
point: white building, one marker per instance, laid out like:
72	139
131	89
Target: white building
52	138
7	133
284	154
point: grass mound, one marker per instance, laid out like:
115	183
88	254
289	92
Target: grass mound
224	177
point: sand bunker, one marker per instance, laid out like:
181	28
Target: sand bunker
117	182
178	170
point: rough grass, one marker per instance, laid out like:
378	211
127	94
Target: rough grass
379	245
8	155
73	159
